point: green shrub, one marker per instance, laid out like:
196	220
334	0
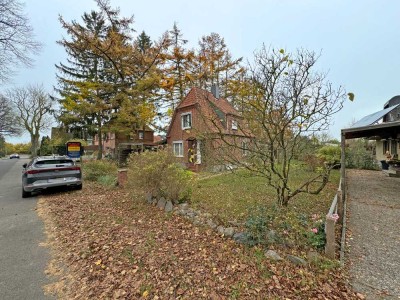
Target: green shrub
316	235
159	174
330	154
359	154
258	223
176	183
96	169
107	180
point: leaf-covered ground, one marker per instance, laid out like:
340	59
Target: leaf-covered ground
107	246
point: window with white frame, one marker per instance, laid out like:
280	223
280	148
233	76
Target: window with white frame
245	148
234	125
178	148
186	120
141	135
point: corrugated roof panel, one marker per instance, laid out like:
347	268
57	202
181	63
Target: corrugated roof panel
373	118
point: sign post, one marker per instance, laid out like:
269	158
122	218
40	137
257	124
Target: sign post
74	149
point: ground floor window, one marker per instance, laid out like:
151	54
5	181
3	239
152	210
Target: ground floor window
385	146
178	148
393	149
245	148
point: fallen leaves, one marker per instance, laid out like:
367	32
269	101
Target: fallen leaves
120	248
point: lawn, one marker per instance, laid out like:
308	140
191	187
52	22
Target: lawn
232	196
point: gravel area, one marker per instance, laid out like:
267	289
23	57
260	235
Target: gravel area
374	233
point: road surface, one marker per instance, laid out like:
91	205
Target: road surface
22	260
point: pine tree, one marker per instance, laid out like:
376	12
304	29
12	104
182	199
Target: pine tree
111	78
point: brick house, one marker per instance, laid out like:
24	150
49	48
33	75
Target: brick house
197	125
120	145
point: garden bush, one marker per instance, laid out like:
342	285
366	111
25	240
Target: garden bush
159	174
330	155
102	171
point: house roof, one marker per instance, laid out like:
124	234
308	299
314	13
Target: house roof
197	95
213	110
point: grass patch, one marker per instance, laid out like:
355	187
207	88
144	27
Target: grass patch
101	171
230	195
249	201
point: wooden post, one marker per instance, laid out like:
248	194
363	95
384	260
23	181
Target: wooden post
340	206
343	167
330	237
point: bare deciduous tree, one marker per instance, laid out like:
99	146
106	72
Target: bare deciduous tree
16	38
286	102
34	111
8	123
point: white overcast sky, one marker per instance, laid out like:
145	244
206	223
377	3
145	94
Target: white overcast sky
359	39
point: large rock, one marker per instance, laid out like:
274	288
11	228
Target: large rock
161	203
273	255
229	231
211	224
149	198
183	206
168	206
220	229
241	237
296	260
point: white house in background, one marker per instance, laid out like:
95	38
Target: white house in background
382	126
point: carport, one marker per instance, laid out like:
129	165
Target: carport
369	128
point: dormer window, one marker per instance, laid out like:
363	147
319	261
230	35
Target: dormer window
186	120
234	125
141	135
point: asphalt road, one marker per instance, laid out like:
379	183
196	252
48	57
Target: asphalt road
22	260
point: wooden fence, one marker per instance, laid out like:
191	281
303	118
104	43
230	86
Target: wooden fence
335	216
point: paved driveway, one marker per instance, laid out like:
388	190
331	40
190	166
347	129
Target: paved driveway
374	223
22	260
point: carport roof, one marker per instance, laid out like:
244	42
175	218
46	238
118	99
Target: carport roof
381	131
373	118
368	127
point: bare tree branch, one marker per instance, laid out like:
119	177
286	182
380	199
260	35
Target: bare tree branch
16	38
34	111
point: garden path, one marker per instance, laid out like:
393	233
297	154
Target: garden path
374	239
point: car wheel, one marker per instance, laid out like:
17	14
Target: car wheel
78	187
25	194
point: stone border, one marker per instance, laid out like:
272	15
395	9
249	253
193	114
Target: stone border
199	218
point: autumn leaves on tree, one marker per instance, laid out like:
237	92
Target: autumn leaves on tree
117	80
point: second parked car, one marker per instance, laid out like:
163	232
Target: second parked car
50	171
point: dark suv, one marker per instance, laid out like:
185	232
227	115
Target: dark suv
50	171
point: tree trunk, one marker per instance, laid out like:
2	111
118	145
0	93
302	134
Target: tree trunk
34	144
100	149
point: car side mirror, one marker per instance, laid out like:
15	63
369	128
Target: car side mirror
24	165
